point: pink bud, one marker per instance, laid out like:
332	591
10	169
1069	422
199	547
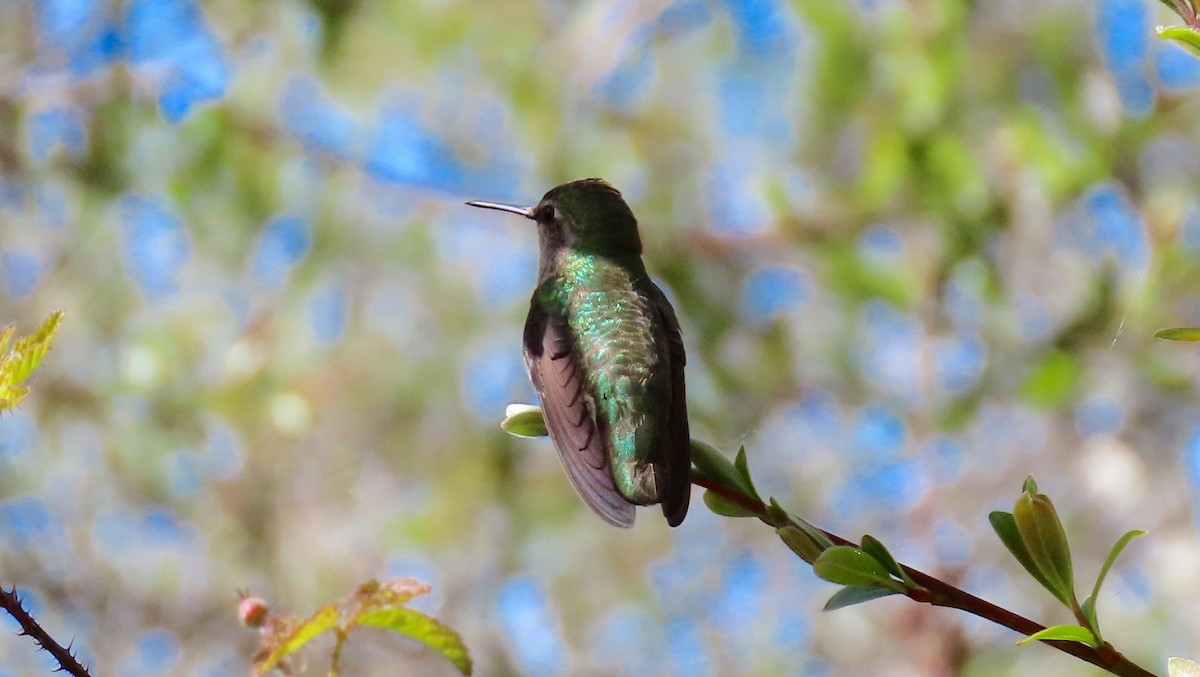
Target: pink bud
252	612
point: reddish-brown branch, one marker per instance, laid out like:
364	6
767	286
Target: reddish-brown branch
29	627
940	593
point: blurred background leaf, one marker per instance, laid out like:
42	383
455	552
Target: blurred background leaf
918	249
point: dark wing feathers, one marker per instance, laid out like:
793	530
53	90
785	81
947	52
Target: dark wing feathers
678	438
551	360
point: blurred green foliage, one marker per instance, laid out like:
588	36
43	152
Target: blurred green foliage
919	250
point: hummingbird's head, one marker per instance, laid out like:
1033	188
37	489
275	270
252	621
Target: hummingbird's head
588	214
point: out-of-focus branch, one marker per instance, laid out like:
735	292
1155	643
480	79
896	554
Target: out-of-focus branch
67	662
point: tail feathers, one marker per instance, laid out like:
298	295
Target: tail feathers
675	504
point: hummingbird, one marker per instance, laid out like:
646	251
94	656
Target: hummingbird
605	354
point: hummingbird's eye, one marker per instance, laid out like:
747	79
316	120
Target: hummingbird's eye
544	214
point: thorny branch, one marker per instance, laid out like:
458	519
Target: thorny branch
67	662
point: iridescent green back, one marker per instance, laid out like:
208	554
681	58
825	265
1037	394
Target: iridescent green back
621	343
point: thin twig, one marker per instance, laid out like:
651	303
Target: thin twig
10	602
941	593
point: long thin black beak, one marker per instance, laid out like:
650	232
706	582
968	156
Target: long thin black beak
527	212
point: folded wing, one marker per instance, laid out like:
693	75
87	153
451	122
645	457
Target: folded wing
554	369
677	440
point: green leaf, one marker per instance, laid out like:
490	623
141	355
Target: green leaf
1052	381
524	420
856	594
885	166
6	335
373	604
743	469
424	629
1089	613
850	566
325	619
713	465
819	537
807	541
1182	667
1005	527
778	516
1179	333
1113	554
1029	486
25	356
873	547
1070	633
11	396
1046	542
800	542
726	507
28	351
1189	40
